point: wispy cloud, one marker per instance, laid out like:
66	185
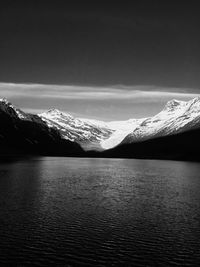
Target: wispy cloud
91	92
109	102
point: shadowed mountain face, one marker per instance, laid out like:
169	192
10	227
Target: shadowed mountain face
181	146
173	133
27	133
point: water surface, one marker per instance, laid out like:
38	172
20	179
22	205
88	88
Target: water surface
99	212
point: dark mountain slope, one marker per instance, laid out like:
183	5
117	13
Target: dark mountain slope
182	146
27	133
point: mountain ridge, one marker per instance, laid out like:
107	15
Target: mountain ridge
58	133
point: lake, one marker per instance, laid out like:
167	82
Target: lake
99	212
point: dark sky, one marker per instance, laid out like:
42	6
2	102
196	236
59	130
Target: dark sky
116	60
101	43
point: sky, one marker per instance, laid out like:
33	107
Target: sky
99	59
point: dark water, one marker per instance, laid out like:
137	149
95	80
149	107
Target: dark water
99	212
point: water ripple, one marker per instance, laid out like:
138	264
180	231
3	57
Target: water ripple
97	212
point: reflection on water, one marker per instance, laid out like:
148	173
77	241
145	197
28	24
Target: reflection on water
105	212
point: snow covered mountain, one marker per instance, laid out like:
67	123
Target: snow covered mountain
176	117
89	133
85	132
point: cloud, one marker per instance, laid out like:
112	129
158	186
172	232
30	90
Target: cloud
42	91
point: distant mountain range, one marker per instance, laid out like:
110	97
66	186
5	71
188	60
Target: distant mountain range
174	133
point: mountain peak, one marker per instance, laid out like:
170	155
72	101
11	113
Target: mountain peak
4	100
54	111
5	104
173	104
10	109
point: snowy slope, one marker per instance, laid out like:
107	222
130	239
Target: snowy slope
177	116
87	133
122	129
